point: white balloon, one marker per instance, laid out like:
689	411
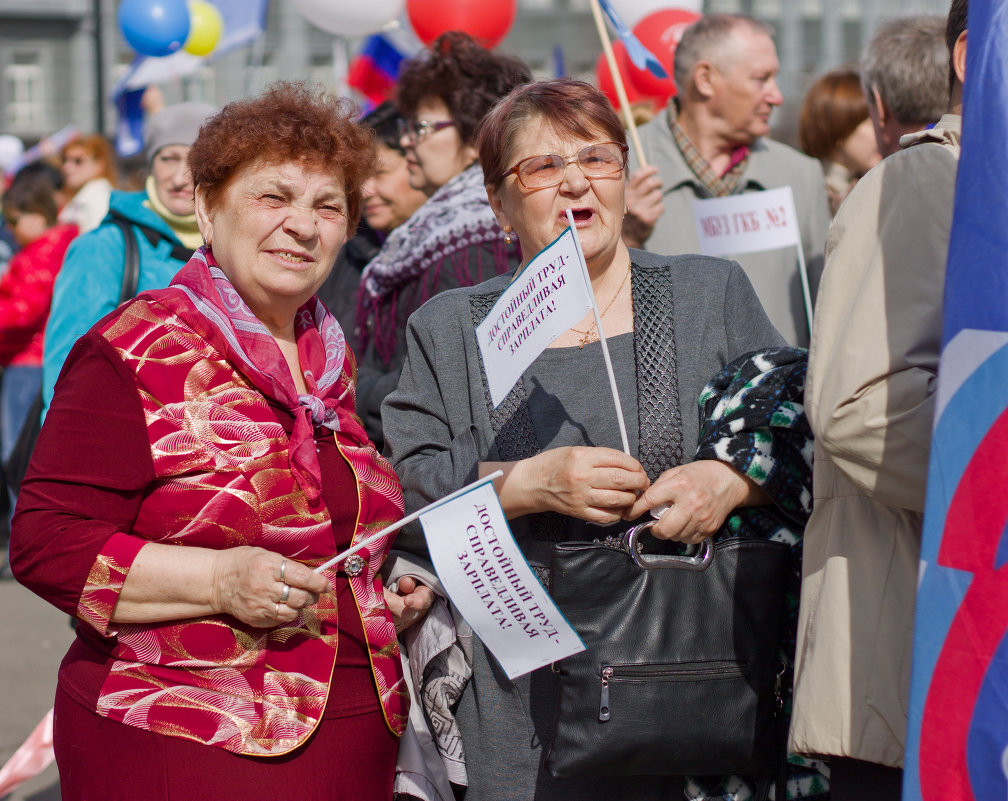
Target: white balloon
633	11
349	17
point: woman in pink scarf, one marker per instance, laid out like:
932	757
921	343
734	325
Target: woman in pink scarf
201	457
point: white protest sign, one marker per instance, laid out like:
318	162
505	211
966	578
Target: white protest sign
487	578
747	223
543	301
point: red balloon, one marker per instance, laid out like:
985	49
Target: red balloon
488	23
604	81
660	32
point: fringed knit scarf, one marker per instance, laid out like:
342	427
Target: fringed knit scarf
456	216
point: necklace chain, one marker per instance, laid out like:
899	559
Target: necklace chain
591	335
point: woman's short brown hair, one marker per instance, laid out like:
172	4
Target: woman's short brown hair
288	122
833	107
570	107
464	75
98	148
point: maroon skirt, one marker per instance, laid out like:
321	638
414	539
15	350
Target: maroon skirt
350	758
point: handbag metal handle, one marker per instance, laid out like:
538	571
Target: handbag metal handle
699	560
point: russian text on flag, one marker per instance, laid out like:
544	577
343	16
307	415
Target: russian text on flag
487	578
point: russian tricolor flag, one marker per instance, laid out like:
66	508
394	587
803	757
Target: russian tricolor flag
375	69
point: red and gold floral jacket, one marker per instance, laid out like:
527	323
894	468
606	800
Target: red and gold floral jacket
222	478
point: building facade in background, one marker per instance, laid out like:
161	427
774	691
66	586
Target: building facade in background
54	54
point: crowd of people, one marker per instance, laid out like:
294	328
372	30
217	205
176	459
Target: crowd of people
267	356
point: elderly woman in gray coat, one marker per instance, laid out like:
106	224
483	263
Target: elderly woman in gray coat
671	324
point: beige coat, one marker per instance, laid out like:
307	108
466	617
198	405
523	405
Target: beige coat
870	397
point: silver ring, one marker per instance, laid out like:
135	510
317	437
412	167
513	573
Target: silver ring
283	567
276	613
285	594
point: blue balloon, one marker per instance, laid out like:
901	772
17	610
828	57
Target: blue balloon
154	27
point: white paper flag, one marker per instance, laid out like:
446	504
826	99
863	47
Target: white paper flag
543	301
487	578
747	223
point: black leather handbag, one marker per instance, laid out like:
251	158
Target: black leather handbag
681	674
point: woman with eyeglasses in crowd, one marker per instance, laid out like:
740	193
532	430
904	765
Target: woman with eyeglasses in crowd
389	201
672	323
451	240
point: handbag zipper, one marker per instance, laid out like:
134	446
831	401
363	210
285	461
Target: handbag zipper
684	671
603	710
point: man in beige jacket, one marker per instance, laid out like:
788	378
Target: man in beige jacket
870	398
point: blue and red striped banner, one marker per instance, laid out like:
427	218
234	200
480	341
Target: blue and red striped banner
957	744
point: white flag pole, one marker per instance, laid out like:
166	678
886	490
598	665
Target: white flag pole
617	79
806	292
601	333
408	519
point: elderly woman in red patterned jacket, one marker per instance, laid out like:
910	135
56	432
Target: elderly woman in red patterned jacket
201	457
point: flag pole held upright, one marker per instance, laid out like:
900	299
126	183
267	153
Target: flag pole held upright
601	333
617	82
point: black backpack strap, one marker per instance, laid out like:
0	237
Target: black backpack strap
131	269
155	237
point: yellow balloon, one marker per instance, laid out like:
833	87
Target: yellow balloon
205	26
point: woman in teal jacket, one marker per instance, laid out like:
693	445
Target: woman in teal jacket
163	223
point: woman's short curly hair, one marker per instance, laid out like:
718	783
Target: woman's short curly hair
290	121
467	77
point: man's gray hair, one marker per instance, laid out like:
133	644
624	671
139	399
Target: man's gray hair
907	63
703	41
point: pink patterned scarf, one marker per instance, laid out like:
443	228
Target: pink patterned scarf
255	353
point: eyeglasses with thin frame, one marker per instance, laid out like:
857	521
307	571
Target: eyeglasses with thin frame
549	169
421	129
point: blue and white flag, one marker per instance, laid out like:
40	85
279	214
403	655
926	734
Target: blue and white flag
957	743
642	58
